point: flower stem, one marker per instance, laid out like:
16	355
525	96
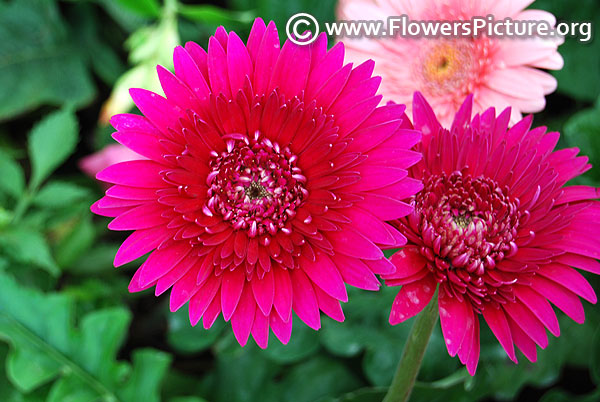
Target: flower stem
412	355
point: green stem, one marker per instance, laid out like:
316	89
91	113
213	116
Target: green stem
412	355
22	206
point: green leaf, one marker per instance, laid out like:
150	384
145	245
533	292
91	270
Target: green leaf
304	342
60	194
12	180
595	357
375	394
51	142
318	378
38	62
81	362
144	8
26	246
187	339
242	373
76	243
580	76
215	15
583	131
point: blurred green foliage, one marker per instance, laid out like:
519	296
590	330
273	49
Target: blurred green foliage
70	331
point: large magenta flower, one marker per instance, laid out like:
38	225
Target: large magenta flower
496	229
270	175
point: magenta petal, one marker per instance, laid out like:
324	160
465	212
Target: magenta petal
424	119
143	217
304	300
255	37
282	300
231	291
243	317
147	174
139	243
264	292
162	261
454	317
239	64
523	341
217	68
561	297
325	275
161	112
528	322
134	285
496	320
540	307
260	329
356	273
570	279
202	299
169	279
384	208
281	329
329	305
353	244
463	116
126	122
183	290
412	299
189	72
408	262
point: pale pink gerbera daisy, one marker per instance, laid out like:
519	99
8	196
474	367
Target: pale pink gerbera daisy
271	174
499	72
497	230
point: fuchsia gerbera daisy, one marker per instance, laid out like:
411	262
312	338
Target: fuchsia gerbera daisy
267	184
496	229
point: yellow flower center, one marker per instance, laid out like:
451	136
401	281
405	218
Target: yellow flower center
446	66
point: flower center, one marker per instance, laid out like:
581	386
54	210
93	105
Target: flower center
255	184
468	225
446	66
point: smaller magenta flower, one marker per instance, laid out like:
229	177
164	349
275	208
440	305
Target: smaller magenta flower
497	230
